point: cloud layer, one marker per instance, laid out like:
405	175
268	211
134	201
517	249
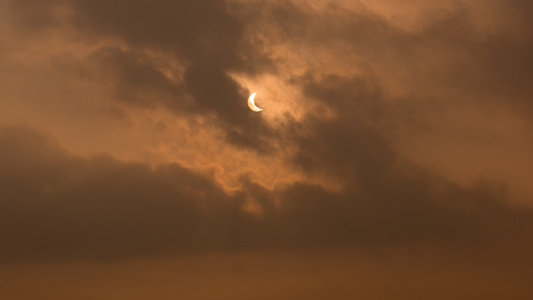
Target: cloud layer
125	132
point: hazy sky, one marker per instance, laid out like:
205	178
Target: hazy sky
393	157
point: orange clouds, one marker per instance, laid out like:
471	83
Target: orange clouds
125	131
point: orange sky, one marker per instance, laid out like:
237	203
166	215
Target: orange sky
126	142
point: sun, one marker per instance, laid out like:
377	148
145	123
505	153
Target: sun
251	103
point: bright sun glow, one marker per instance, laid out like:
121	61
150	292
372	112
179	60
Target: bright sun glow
251	103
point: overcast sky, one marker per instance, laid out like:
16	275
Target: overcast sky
393	156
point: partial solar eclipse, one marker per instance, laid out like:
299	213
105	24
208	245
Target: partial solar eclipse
251	103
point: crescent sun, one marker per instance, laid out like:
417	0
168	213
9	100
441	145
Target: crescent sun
251	103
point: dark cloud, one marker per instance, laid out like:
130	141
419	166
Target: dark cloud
216	92
200	32
448	47
350	144
59	206
191	30
204	90
386	198
34	15
203	37
137	79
